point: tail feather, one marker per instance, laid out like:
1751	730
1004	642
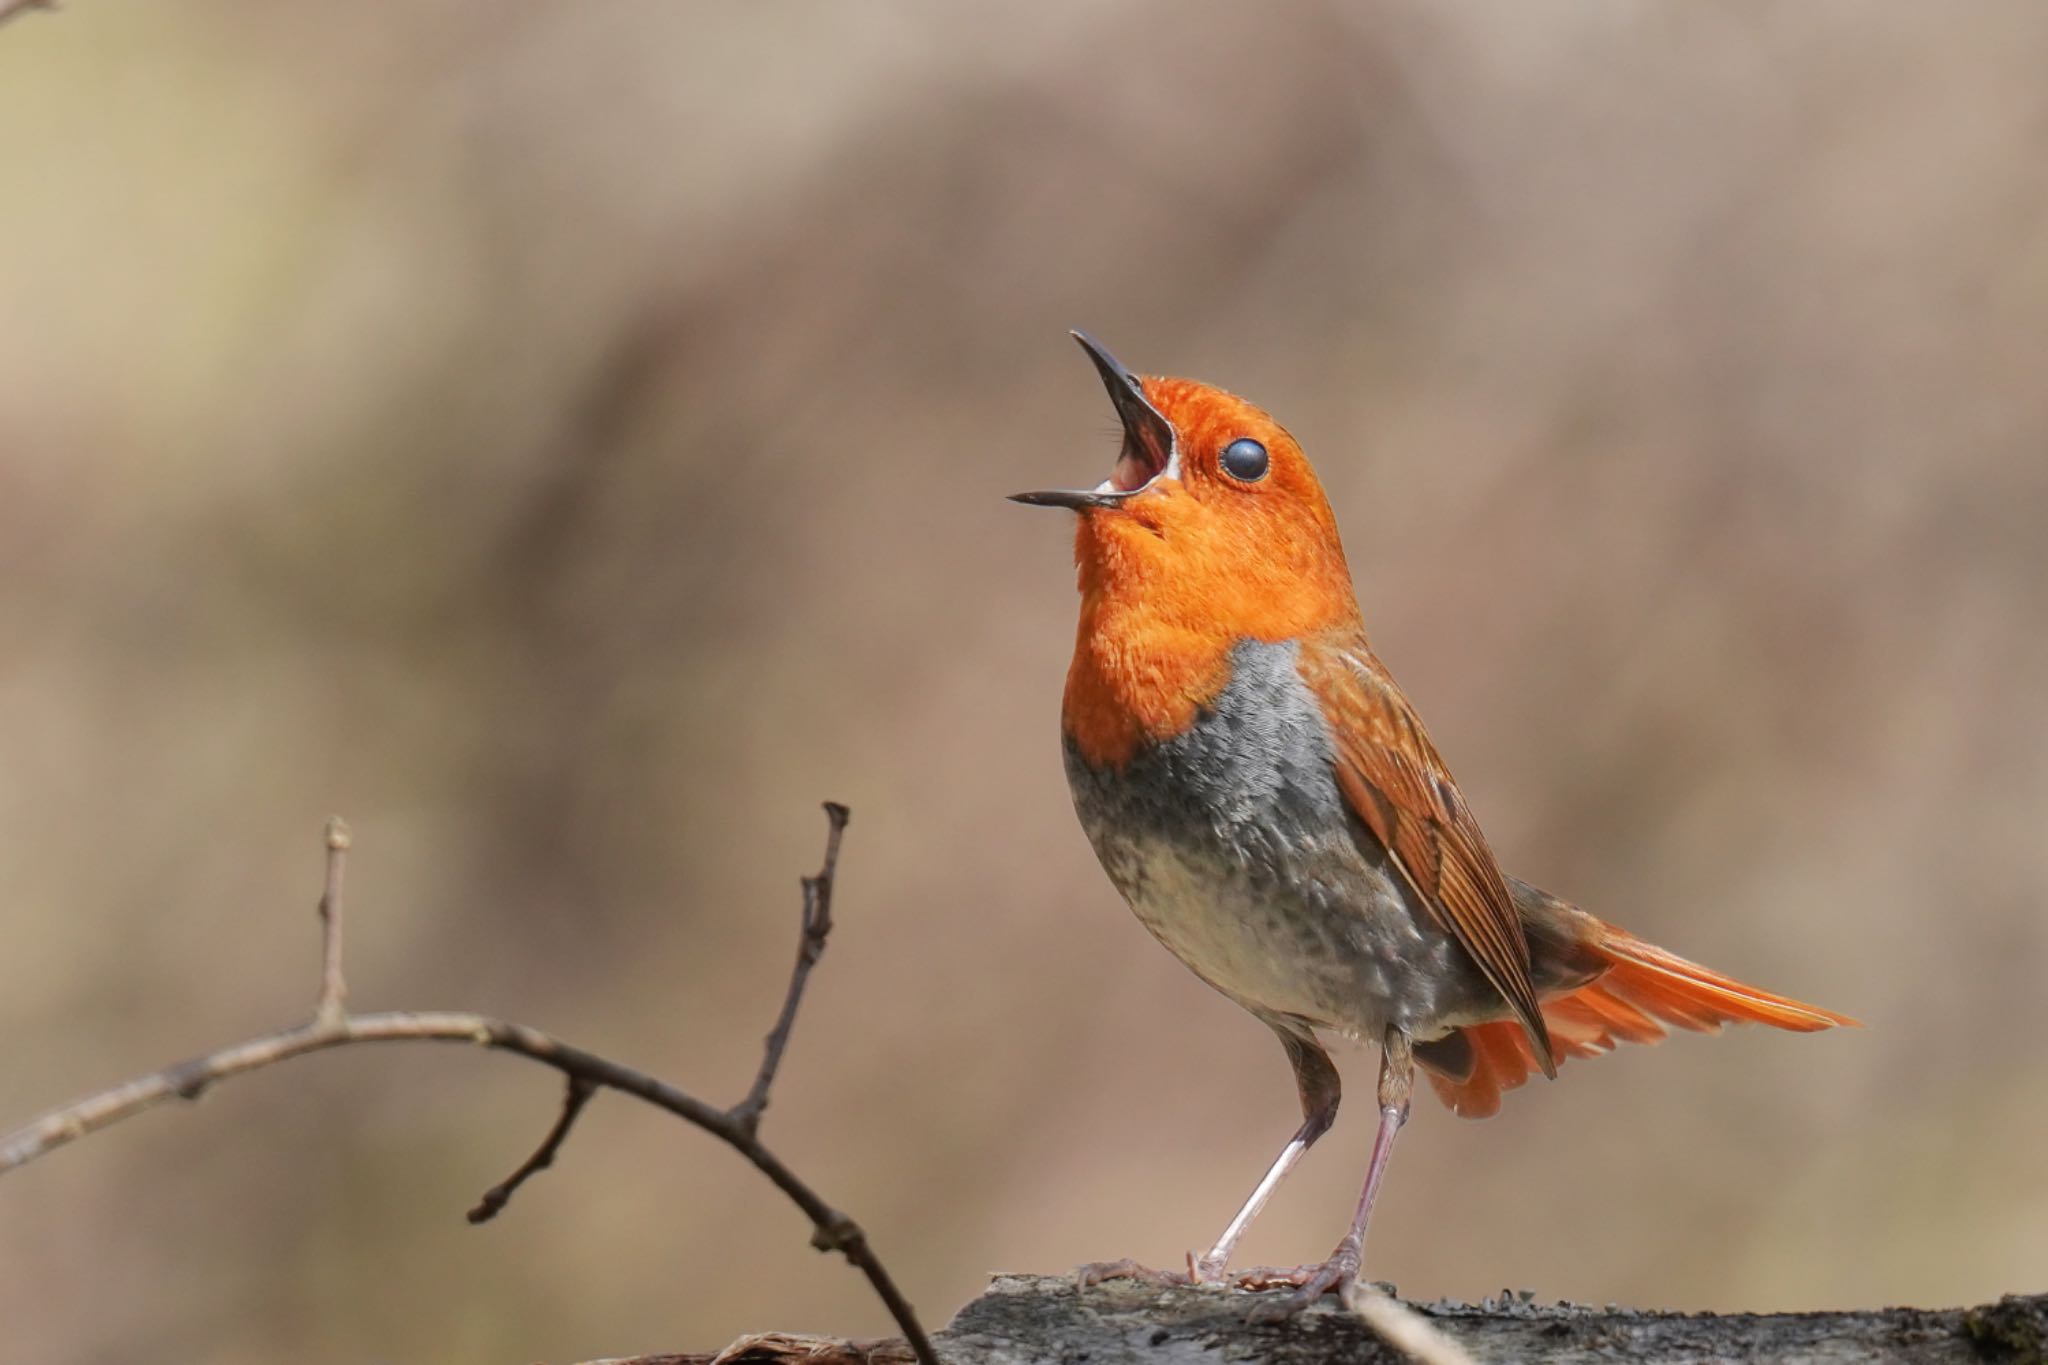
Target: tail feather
1667	985
1642	994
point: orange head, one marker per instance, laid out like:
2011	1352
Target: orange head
1210	529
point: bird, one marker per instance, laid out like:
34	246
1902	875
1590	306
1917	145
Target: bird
1267	801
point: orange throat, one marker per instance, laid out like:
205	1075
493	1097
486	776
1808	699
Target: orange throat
1157	630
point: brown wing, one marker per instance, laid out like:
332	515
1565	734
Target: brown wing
1397	783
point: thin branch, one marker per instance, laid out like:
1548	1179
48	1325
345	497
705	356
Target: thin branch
188	1080
576	1095
14	9
810	946
1402	1328
333	1004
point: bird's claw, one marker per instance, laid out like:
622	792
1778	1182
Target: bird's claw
1200	1271
1310	1282
1095	1272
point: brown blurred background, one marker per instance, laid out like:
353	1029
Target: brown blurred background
569	440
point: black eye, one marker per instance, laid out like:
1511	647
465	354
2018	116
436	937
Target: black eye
1245	459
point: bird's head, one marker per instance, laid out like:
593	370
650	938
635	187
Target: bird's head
1211	516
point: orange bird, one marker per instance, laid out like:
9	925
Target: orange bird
1268	802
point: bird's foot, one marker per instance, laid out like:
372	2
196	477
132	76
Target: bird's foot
1095	1272
1310	1282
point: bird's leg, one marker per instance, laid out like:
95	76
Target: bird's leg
1211	1266
1397	1083
1321	1090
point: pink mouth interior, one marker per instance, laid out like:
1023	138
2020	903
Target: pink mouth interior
1134	469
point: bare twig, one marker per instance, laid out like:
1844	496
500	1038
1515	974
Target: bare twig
11	9
576	1095
333	1002
331	1028
810	946
1402	1328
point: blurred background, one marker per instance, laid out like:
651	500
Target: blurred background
569	441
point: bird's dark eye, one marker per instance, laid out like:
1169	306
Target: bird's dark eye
1245	459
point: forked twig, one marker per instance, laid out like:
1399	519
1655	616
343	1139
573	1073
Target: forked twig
333	1026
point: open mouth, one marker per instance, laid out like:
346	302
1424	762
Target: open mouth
1137	464
1148	451
1148	436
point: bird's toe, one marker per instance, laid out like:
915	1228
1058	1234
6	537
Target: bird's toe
1310	1282
1096	1272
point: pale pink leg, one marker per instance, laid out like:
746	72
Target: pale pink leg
1320	1091
1211	1266
1397	1078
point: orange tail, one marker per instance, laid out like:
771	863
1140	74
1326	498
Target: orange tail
1642	995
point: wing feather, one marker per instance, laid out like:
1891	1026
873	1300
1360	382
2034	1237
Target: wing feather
1394	779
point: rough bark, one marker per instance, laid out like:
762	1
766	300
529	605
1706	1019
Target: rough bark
1040	1320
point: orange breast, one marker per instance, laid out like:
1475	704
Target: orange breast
1136	679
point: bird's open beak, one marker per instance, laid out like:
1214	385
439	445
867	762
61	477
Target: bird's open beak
1147	452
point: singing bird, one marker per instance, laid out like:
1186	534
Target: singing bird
1268	802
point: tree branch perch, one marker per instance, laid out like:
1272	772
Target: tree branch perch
1043	1320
